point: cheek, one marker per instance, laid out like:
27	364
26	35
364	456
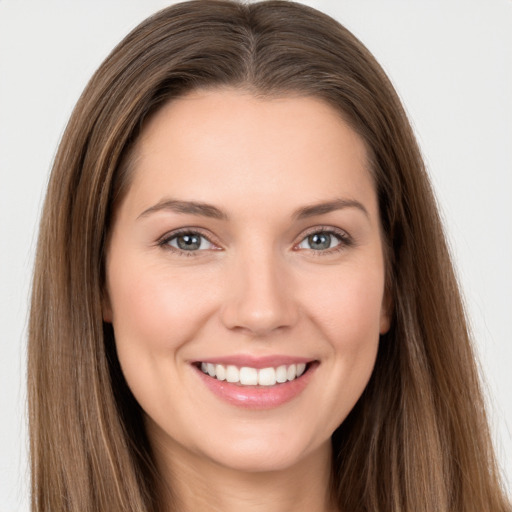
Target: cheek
155	311
349	308
348	316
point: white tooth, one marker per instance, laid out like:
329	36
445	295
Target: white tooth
300	369
281	374
220	371
291	372
211	369
204	367
248	376
267	377
232	374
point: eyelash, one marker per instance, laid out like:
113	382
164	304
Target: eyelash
345	240
164	241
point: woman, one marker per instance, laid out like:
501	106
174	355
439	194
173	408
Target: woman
243	296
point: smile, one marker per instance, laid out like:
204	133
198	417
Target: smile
256	383
248	376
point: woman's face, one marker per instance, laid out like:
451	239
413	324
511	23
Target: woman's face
248	246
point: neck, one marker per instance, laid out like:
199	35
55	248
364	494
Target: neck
192	483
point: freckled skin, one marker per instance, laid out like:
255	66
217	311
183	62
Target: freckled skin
256	287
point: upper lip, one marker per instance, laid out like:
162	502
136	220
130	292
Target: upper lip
241	360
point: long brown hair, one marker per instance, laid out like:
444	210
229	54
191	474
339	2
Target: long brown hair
416	441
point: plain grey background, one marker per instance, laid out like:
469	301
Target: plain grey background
451	62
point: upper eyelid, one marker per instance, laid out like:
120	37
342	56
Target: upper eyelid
343	237
325	229
164	243
182	231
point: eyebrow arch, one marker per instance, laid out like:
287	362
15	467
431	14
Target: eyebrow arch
208	210
327	207
190	207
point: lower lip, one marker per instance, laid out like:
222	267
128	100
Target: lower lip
258	397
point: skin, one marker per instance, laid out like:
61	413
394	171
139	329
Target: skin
256	287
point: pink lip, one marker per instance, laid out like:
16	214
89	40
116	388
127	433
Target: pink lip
257	397
241	360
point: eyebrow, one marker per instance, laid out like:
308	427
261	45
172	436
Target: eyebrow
190	207
328	207
208	210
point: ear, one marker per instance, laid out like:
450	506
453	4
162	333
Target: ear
386	313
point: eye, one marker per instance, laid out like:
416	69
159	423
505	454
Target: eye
324	240
189	241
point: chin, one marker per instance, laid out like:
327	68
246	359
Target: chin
260	454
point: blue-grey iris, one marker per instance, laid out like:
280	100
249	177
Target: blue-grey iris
188	242
319	241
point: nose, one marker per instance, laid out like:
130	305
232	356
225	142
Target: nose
259	296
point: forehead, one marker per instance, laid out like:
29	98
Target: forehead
230	146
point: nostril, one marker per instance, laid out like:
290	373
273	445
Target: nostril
258	320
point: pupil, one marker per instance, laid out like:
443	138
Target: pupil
189	242
319	241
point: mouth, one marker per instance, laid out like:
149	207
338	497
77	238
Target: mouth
258	383
249	376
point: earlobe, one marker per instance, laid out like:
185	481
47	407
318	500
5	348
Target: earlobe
385	323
